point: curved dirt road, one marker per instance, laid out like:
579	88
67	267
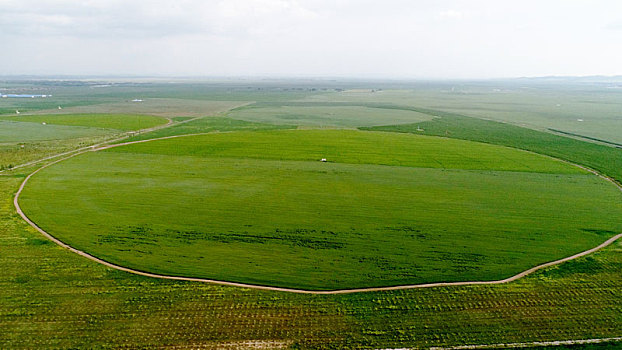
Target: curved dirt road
86	148
290	290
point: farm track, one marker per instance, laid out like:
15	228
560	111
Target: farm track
532	344
86	148
100	147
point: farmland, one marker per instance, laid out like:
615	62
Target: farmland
313	225
30	137
120	122
52	298
328	115
605	159
16	132
591	109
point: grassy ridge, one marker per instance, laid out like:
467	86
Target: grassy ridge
247	217
605	159
351	147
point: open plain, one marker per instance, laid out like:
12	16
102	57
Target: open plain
410	193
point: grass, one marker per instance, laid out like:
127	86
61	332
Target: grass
540	307
307	224
348	146
606	159
52	298
8	106
610	345
17	132
343	116
589	109
26	138
122	122
164	107
12	153
594	113
62	126
205	125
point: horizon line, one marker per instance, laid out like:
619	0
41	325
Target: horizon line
259	77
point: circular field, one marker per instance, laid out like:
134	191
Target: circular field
385	209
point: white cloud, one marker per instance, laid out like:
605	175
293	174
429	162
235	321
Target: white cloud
616	25
395	38
147	18
450	14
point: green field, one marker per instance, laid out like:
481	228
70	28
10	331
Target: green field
121	122
27	138
15	132
605	159
51	298
387	209
205	125
164	107
354	147
592	110
30	128
344	116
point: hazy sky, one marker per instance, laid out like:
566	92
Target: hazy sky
342	38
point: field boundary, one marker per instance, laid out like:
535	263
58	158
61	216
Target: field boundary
81	150
532	344
96	148
589	138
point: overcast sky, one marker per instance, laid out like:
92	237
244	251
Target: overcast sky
312	38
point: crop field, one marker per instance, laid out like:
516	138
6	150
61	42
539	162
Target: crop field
592	110
9	106
26	138
53	298
15	132
120	122
206	125
443	196
346	116
164	107
259	207
606	159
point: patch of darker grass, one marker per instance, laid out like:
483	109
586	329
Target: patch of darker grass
305	238
130	235
180	119
586	265
38	242
606	233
